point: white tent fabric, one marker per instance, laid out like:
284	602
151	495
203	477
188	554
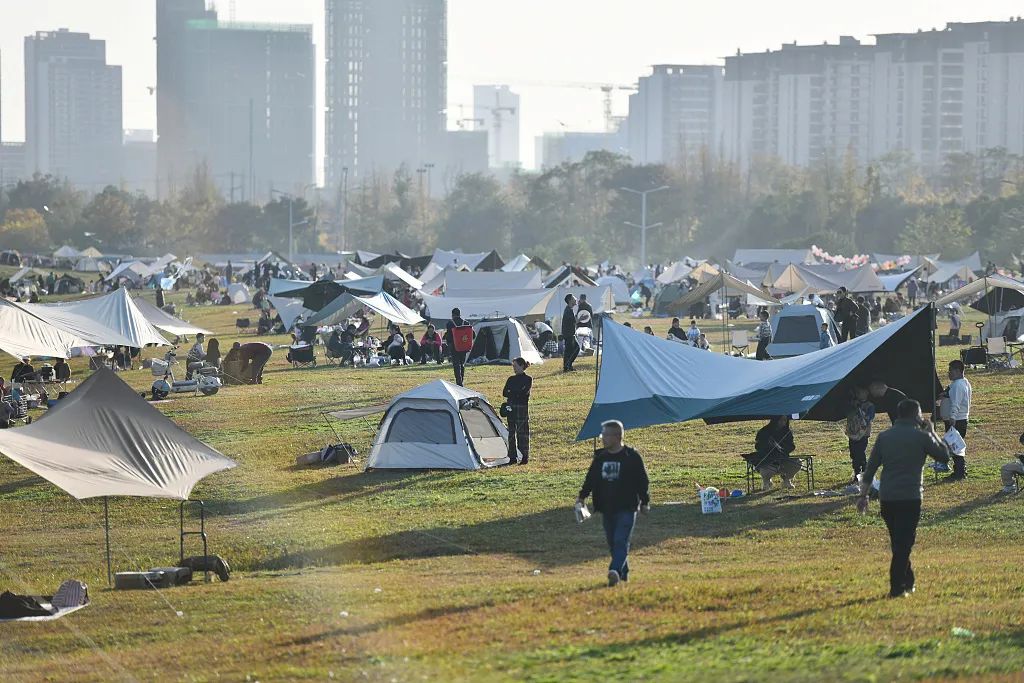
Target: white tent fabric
893	282
456	280
439	426
162	320
620	290
66	252
1009	325
21	274
164	261
358	271
107	319
91	264
482	307
103	439
502	341
982	285
567	276
796	330
519	263
342	308
392	271
134	270
600	299
947	271
91	251
450	259
290	310
674	273
239	293
23	334
278	285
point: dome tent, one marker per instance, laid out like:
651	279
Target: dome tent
796	330
439	426
502	341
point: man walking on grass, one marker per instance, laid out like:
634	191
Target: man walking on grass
901	452
618	481
572	346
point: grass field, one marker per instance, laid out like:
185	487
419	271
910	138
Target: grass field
446	576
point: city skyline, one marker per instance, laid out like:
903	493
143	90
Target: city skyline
478	53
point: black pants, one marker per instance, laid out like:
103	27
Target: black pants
459	366
428	352
901	518
847	331
519	433
544	338
572	350
762	350
959	461
858	455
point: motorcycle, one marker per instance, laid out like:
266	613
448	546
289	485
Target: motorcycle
205	380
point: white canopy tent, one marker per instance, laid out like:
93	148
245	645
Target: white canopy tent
66	252
480	306
979	287
239	293
345	306
394	272
674	273
107	319
450	259
620	290
133	270
162	320
519	263
289	309
600	299
796	330
23	334
439	426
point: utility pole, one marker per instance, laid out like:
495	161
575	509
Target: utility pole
643	219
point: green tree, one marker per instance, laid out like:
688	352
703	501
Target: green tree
109	219
941	229
24	230
476	215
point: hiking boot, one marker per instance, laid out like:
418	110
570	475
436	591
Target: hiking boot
613	577
1012	488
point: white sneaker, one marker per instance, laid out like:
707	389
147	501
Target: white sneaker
613	577
1012	488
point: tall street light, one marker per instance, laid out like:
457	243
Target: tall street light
291	221
643	219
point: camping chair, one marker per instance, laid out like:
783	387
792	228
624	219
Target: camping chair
806	466
740	343
242	324
996	355
19	408
302	356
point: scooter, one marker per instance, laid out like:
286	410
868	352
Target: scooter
205	380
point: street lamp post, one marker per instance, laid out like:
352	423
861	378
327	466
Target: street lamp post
643	219
291	221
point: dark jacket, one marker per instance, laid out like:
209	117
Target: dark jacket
901	452
847	311
772	444
617	480
569	322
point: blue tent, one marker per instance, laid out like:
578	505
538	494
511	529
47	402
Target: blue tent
647	381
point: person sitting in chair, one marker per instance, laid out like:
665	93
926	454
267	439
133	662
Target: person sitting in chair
675	331
414	350
772	446
61	370
213	353
265	323
430	345
196	355
23	371
395	344
702	342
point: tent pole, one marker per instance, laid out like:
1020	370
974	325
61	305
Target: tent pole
933	312
597	361
725	314
988	309
106	533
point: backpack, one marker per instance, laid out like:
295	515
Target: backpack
462	338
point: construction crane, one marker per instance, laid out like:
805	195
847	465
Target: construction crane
496	112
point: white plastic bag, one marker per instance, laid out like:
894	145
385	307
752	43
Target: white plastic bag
710	502
955	442
582	513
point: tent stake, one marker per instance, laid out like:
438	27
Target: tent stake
106	530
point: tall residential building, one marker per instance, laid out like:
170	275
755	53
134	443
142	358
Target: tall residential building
72	109
800	104
386	86
960	89
240	99
674	113
496	110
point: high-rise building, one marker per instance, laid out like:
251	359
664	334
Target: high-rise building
673	114
496	110
240	99
72	109
553	149
138	162
800	104
386	86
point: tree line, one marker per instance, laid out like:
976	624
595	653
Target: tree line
573	212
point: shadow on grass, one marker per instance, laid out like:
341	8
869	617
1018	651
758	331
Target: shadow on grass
14	486
345	486
551	538
964	508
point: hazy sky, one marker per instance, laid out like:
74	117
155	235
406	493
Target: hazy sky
525	42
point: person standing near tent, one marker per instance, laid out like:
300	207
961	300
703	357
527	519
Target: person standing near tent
886	399
517	398
863	317
954	325
959	393
160	303
901	452
825	340
764	337
858	430
912	292
572	346
846	315
618	481
458	357
584	305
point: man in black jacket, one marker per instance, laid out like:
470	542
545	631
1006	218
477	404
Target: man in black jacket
458	357
847	315
572	346
618	480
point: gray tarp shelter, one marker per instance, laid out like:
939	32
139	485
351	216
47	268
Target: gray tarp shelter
104	440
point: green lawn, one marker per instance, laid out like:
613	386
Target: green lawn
485	576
